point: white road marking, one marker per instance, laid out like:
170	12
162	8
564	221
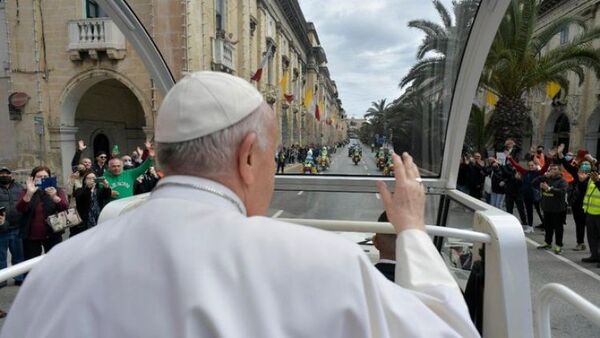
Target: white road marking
567	261
300	192
366	168
277	214
377	195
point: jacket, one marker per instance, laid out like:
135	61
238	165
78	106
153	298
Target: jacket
8	199
554	199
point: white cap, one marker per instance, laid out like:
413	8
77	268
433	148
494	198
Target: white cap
202	103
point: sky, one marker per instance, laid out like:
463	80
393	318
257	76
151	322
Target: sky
369	45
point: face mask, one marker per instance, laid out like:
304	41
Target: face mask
586	167
4	180
568	157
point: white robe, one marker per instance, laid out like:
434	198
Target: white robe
187	263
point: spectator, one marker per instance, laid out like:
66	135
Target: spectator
576	192
280	159
386	245
554	189
498	184
91	198
476	176
9	230
146	182
100	165
462	182
127	162
121	181
77	160
591	207
2	221
36	205
513	192
528	189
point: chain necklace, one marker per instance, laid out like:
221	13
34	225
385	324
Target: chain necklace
205	189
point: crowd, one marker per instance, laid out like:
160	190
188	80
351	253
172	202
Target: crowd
25	229
553	182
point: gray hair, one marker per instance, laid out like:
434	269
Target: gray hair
214	153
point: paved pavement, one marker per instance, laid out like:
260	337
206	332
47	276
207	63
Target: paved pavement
544	266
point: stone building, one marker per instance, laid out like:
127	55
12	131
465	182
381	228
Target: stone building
573	119
73	75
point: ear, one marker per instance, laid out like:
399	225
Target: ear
247	160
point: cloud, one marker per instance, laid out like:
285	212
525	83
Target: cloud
369	45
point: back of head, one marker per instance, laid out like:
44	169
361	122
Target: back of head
202	121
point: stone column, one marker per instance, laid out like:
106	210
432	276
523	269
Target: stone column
63	138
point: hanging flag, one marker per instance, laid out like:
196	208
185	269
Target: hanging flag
491	99
283	84
552	89
317	113
321	109
308	98
263	63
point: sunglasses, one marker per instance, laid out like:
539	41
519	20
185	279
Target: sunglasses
102	156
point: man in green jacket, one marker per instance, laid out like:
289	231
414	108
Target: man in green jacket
122	181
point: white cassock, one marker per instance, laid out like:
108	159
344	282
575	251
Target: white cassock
187	263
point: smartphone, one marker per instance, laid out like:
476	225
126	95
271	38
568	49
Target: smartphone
48	182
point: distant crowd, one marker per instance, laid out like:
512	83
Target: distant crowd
31	216
551	182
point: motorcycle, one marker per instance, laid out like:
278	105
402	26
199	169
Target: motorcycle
388	170
309	169
381	163
356	159
323	163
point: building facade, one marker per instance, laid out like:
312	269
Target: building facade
573	119
72	75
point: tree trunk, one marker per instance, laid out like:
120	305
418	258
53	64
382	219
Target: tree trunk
509	120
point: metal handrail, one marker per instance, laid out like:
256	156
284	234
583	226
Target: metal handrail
554	290
330	225
384	227
19	269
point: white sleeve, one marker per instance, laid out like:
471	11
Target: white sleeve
420	268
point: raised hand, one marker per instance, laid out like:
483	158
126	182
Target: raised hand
150	149
31	187
405	208
561	148
81	145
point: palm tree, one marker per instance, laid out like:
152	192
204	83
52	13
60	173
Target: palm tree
376	114
518	63
444	42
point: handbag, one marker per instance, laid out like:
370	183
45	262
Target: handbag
64	219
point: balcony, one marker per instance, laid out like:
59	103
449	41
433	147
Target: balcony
223	55
95	35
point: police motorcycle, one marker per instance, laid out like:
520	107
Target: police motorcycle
309	167
382	159
323	160
356	156
388	170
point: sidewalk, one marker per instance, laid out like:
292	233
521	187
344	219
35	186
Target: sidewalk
569	242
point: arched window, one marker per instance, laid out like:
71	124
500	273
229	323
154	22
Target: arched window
562	129
101	143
